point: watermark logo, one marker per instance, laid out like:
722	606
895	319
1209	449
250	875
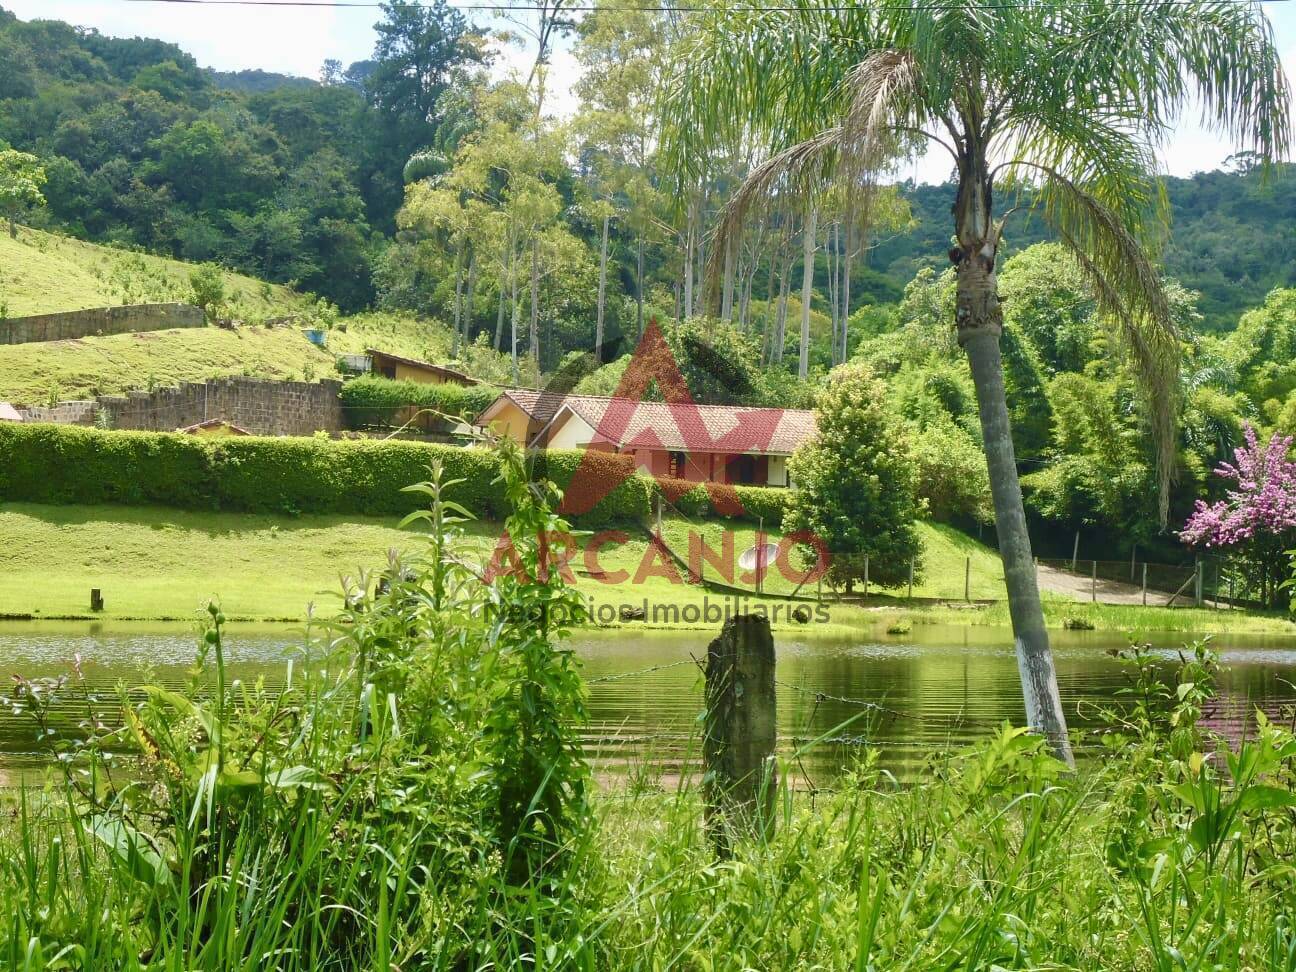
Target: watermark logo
682	446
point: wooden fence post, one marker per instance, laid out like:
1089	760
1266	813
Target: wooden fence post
967	578
1197	585
96	599
740	778
1093	583
1075	552
1145	583
865	598
911	572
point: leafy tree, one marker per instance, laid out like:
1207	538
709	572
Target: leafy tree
855	483
961	78
21	180
1256	521
951	473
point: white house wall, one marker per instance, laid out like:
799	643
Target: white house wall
572	432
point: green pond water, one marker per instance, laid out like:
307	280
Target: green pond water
936	689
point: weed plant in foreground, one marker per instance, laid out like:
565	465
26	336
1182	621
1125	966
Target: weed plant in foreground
416	798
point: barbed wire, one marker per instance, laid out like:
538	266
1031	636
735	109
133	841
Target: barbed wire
643	671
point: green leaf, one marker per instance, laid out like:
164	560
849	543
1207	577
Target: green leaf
1263	797
136	850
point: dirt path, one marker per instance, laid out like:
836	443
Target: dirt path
1109	592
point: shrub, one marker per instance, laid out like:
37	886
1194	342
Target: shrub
952	476
695	499
68	464
374	401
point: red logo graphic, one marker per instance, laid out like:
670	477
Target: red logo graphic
632	425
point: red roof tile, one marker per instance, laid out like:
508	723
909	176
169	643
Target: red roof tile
626	423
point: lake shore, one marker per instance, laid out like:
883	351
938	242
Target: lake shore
161	565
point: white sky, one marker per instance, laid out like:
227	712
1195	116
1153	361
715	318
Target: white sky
297	40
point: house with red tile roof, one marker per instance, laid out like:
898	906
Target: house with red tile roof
702	443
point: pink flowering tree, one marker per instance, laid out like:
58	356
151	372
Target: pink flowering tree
1256	521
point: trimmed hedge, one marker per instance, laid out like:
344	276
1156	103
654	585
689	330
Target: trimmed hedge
373	400
757	502
70	464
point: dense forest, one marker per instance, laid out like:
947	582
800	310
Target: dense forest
301	181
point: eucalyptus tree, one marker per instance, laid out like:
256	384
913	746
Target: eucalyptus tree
1070	97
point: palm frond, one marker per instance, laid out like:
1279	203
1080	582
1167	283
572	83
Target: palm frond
1130	293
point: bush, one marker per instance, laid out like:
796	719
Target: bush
69	464
372	401
753	502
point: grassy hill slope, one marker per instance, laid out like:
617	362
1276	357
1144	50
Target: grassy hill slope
31	374
41	273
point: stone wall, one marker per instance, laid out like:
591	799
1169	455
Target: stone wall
260	406
68	325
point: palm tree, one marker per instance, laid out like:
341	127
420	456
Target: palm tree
1067	99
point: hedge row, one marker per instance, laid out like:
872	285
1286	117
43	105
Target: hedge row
372	399
70	464
756	503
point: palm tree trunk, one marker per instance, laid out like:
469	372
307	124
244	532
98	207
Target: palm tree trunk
980	322
602	292
807	291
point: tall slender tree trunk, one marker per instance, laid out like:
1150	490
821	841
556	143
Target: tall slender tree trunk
516	309
688	263
980	322
458	298
727	288
780	321
535	302
831	252
602	292
499	314
845	288
770	302
807	289
468	300
639	274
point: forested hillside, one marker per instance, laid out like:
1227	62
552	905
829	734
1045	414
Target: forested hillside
1232	238
301	181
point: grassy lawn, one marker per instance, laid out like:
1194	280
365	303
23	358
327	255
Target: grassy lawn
41	273
163	564
946	553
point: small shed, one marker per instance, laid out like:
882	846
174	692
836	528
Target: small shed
393	366
9	414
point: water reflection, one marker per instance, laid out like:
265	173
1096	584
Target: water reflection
938	688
